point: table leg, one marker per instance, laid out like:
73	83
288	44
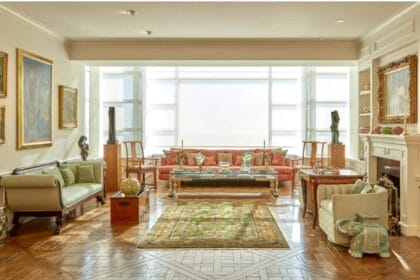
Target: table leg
304	196
274	188
314	188
174	189
171	188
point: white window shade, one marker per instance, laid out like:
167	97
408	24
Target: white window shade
223	113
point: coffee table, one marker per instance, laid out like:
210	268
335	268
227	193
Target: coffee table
176	179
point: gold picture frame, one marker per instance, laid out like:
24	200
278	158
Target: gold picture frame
67	107
2	124
397	92
34	100
3	74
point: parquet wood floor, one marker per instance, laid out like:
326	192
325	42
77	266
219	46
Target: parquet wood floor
90	248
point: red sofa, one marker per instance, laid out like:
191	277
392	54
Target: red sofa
277	159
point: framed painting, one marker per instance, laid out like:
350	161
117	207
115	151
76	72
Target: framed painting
2	124
67	106
34	101
3	74
397	92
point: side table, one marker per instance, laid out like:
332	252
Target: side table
129	209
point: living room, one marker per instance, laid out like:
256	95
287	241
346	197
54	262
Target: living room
220	92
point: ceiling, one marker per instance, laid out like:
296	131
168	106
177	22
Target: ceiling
246	20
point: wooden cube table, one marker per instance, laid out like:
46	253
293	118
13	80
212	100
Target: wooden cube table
129	209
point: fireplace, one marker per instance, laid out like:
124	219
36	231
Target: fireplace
398	158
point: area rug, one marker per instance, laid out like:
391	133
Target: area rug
215	224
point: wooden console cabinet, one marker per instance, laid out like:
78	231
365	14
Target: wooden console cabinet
129	210
112	158
336	153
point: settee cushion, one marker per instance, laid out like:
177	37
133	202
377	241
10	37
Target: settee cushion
257	159
191	159
73	194
56	173
225	157
85	174
68	176
358	186
279	158
327	205
210	161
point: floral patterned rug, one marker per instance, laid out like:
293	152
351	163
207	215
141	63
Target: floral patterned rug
215	224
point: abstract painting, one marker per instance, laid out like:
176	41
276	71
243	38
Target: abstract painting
34	100
3	74
67	106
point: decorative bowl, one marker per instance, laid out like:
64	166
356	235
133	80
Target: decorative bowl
397	130
377	130
386	130
130	186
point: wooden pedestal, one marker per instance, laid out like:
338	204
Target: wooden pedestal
336	155
129	210
112	158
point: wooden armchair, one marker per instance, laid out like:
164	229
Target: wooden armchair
137	163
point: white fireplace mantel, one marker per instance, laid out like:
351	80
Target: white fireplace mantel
406	149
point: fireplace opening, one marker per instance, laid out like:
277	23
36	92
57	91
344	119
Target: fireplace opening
388	172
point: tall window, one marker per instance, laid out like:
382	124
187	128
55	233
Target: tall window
226	106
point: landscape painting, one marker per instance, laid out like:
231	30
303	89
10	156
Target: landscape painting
2	124
67	107
34	104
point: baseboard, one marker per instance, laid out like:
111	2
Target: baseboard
410	230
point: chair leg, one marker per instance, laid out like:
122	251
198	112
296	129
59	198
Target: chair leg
16	224
59	223
155	178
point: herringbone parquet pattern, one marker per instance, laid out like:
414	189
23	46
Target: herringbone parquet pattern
90	248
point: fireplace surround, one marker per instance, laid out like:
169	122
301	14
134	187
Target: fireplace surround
406	150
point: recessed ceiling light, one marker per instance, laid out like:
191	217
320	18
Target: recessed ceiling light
339	20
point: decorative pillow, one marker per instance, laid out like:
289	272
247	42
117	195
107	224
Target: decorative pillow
367	188
85	174
279	158
171	157
191	159
210	161
238	160
358	186
68	176
225	157
56	173
257	159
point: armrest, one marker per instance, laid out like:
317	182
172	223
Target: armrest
163	161
327	191
29	181
371	203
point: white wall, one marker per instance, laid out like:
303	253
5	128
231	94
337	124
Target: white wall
17	33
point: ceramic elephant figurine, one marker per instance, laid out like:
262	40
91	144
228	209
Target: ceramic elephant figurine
365	238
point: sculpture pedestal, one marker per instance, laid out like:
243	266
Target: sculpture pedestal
112	158
336	155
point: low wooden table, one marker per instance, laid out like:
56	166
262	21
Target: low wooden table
310	178
129	209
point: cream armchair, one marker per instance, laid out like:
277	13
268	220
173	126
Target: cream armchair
336	201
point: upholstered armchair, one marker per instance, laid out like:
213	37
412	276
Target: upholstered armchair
337	201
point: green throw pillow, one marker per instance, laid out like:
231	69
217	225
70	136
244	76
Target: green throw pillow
85	174
68	176
55	172
358	186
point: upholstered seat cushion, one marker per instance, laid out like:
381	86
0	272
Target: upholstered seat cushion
73	194
327	205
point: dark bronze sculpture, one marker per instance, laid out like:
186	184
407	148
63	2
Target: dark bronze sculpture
84	147
112	139
335	119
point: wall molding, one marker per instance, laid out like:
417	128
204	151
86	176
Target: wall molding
32	22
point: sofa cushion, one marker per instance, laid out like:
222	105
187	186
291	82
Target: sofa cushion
327	205
56	173
358	186
367	188
257	159
210	161
68	176
85	174
238	160
191	159
287	170
225	157
171	156
73	194
279	158
92	187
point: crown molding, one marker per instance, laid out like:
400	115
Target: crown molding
32	22
404	13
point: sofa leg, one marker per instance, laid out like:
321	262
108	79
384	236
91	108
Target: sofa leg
16	224
59	219
100	199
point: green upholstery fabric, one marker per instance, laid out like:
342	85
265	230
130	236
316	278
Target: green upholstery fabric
73	194
68	176
98	169
55	172
358	186
92	187
85	174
